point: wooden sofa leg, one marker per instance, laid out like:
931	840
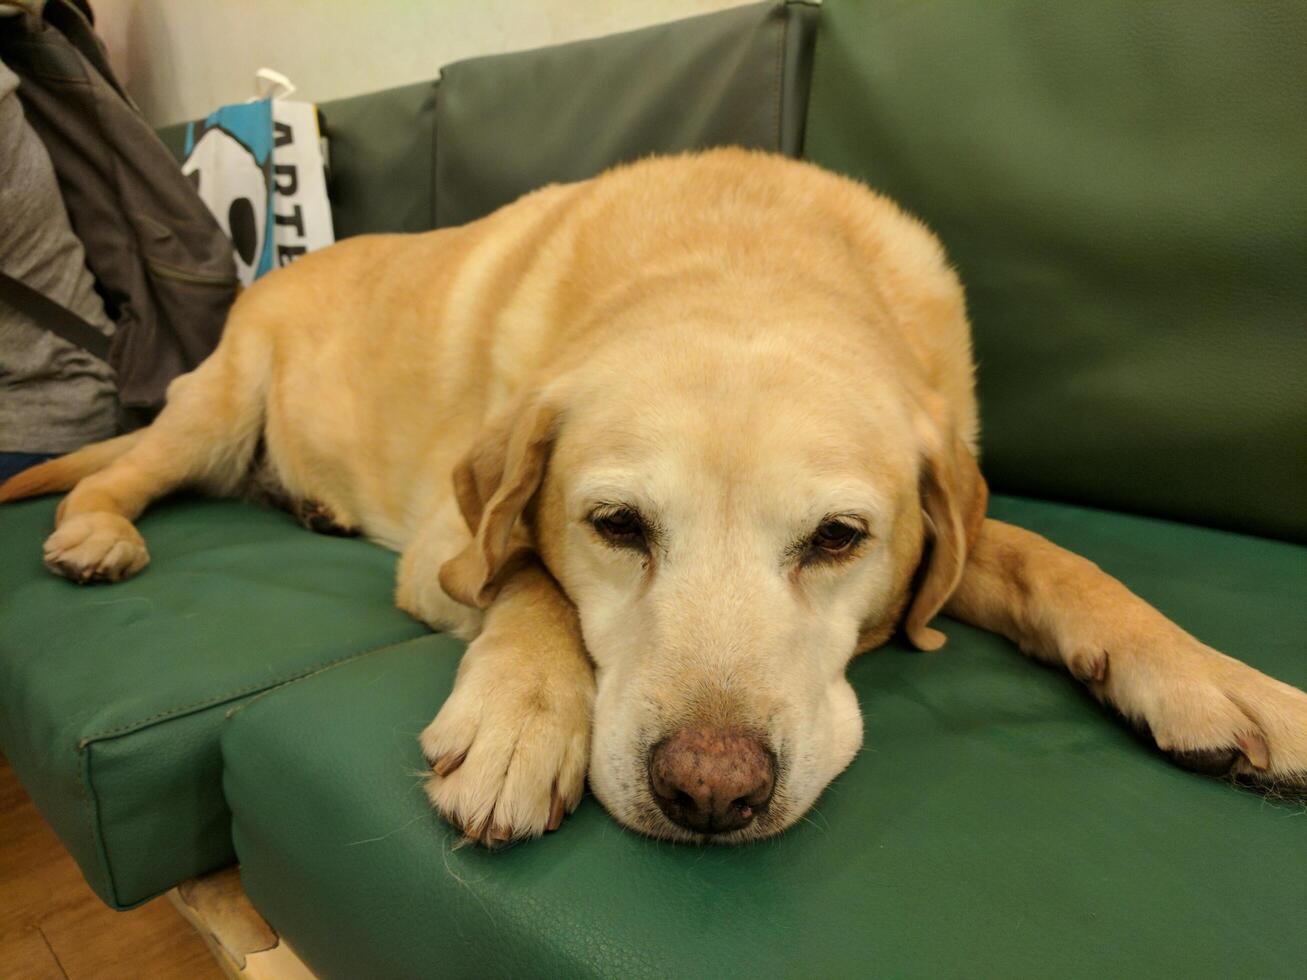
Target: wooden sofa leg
244	945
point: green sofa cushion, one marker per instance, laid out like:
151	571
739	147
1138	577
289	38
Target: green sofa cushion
381	147
999	822
507	124
112	697
1123	187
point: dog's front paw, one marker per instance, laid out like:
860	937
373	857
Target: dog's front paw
96	547
1212	714
508	752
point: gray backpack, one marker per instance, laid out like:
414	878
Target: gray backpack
161	263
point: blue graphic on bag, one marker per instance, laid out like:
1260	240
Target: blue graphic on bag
229	159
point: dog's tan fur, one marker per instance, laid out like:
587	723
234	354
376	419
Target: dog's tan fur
735	344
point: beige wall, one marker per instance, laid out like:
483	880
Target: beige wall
182	58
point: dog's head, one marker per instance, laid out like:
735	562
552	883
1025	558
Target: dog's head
733	521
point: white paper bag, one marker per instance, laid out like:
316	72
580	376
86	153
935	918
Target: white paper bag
301	213
260	168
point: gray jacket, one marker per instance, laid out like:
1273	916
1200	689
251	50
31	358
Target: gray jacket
161	263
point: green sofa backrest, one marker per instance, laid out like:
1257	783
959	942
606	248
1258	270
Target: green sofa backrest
1123	188
453	149
507	124
381	146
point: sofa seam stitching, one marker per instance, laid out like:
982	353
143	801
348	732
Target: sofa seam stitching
433	217
319	670
179	710
90	805
778	77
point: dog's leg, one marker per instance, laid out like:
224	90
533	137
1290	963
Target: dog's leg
509	749
204	437
1207	711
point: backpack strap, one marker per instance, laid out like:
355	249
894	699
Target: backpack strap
58	319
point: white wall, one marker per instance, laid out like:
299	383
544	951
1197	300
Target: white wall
181	59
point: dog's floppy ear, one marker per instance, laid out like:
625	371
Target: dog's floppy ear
493	484
953	497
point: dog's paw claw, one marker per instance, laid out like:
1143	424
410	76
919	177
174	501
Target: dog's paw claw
1255	750
556	810
448	763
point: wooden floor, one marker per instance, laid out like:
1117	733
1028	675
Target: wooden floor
52	925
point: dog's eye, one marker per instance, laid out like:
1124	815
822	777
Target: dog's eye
622	527
833	539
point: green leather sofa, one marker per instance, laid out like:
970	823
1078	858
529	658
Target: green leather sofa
1123	187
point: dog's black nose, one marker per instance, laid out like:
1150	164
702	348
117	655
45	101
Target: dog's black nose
711	780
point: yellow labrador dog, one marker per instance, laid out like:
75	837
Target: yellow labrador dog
670	446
